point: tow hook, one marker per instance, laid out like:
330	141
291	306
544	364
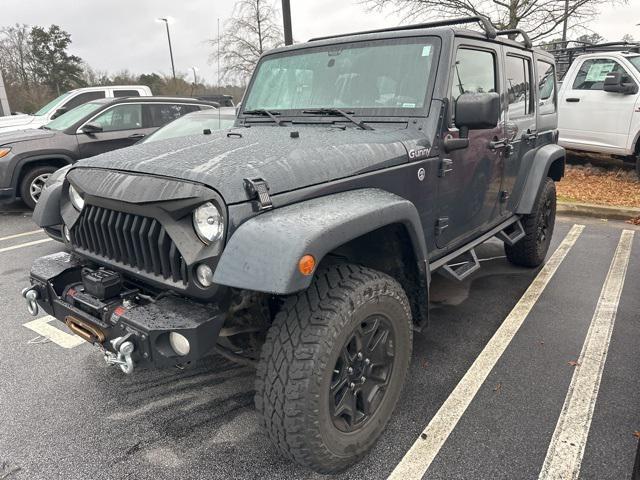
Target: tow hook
30	294
123	358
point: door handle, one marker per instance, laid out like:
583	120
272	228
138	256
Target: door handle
572	100
530	135
496	144
137	135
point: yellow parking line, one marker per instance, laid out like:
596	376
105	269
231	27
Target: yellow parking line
28	244
18	235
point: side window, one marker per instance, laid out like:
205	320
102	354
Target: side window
82	98
120	117
546	88
159	114
126	93
475	72
593	72
518	75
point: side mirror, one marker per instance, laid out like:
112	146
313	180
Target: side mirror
614	83
474	111
91	128
58	112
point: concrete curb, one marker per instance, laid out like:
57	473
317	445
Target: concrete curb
598	211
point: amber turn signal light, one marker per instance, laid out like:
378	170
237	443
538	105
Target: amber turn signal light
4	152
306	265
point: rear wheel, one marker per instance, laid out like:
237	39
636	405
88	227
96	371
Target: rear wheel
33	183
333	365
538	227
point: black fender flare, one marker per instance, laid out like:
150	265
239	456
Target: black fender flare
541	161
47	211
263	253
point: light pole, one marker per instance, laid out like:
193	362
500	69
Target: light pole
195	79
166	21
286	20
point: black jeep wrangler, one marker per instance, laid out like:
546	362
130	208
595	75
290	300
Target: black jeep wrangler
303	239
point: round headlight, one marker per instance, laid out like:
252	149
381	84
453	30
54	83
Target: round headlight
179	343
204	274
208	223
76	200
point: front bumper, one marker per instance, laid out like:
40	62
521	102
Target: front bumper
129	317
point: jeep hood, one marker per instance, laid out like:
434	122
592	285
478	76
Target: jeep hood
286	160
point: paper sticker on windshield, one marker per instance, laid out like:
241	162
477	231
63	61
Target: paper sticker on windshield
426	50
408	105
598	72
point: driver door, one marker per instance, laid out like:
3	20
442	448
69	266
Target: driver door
470	178
122	126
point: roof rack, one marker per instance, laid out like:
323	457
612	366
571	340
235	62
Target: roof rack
525	38
565	55
484	22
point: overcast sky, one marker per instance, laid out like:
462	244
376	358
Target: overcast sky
115	35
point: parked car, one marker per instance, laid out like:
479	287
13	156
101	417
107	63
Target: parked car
303	240
223	100
195	124
599	101
29	157
68	101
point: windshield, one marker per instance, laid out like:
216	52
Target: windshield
389	76
635	61
72	116
49	106
191	125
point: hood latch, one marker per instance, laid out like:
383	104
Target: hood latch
259	189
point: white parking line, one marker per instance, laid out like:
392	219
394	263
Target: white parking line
42	327
22	245
566	449
419	457
18	235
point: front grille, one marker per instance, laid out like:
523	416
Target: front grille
133	240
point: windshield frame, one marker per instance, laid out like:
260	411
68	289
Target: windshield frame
635	63
380	112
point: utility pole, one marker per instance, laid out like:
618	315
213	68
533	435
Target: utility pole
286	20
564	24
173	67
4	101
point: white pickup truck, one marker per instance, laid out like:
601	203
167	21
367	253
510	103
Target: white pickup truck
68	101
599	105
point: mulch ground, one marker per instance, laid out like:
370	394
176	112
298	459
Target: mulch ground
589	184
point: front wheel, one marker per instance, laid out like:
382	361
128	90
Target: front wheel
538	228
33	183
333	365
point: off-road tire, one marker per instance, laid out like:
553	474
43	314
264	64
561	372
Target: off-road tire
298	359
29	177
532	249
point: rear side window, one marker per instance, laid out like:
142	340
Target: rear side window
160	114
475	72
83	98
518	75
126	93
546	88
593	72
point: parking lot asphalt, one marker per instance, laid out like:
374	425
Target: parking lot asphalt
65	415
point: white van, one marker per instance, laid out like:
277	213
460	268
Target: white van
599	105
68	101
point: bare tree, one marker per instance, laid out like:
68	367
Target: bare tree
539	18
254	28
627	37
15	54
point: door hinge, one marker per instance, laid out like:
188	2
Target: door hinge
259	189
446	166
441	224
504	196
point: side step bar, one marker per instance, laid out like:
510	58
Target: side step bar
461	263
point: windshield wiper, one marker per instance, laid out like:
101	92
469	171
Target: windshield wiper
44	127
337	111
269	113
